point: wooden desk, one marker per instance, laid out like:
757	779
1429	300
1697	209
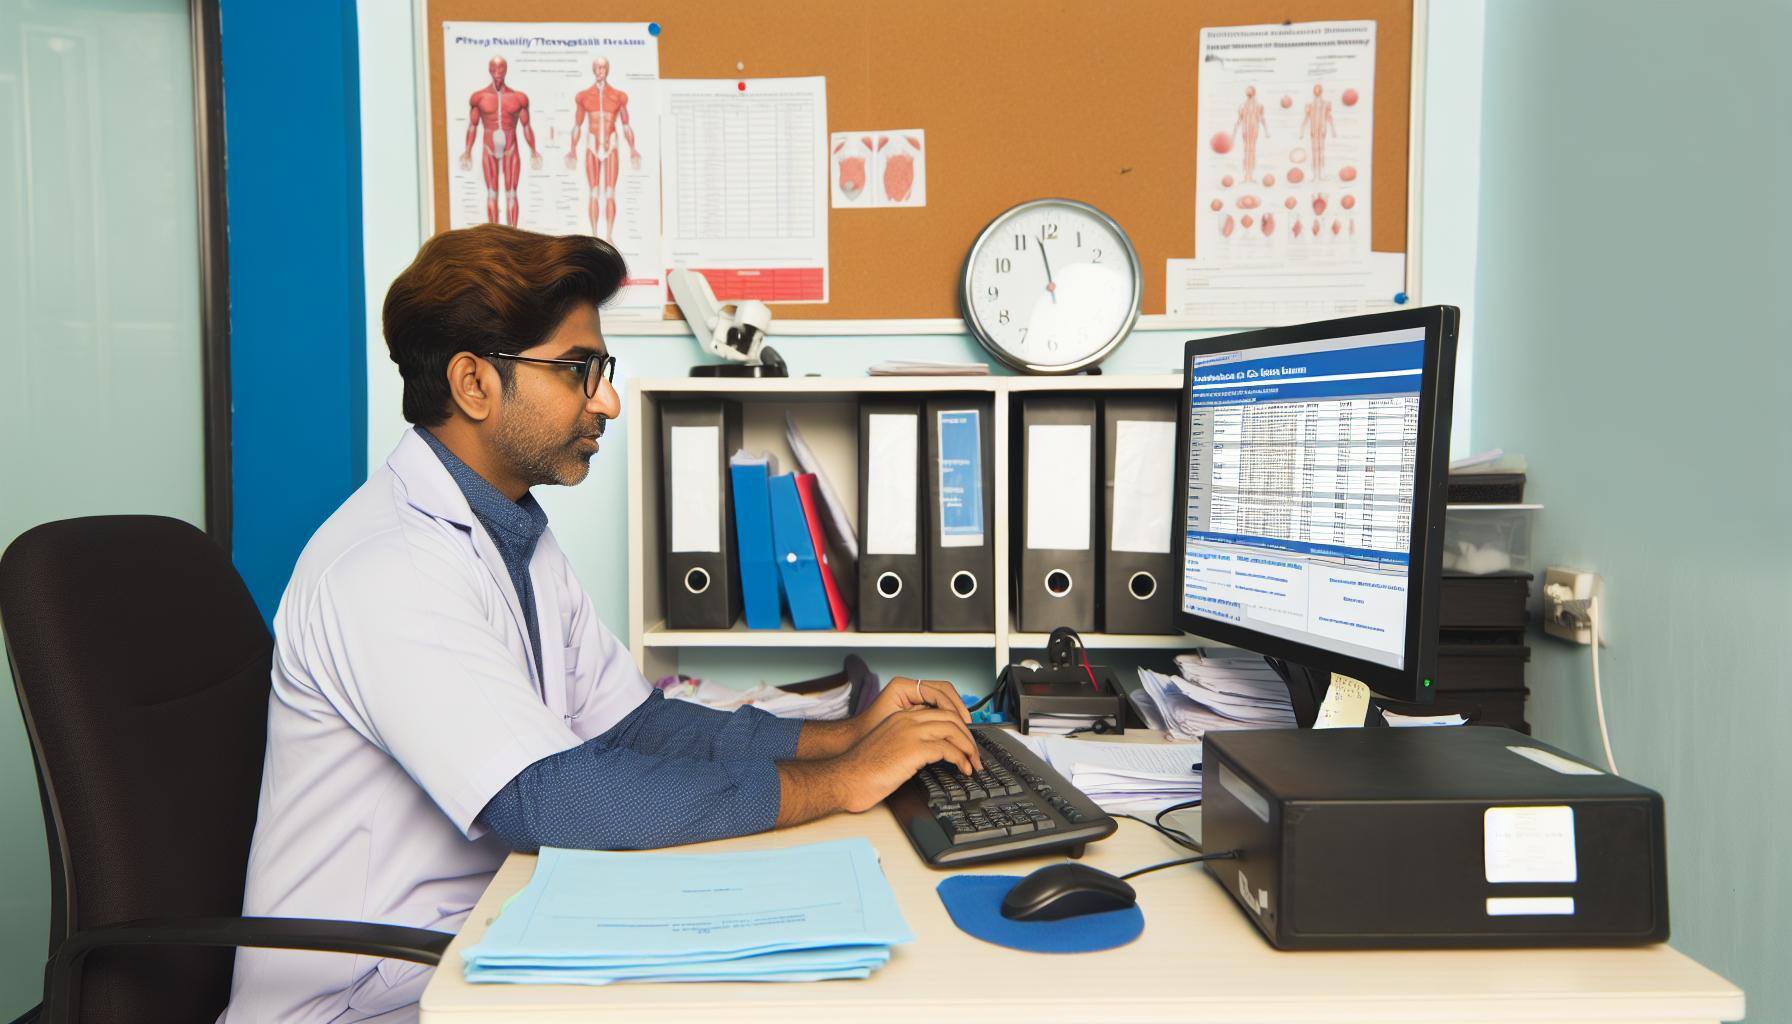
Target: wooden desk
1198	960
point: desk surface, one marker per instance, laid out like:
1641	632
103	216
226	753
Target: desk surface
1198	960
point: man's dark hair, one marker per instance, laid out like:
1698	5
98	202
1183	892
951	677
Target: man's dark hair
484	289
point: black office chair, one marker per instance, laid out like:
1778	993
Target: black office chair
141	666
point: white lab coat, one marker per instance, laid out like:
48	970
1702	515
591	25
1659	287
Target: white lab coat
404	698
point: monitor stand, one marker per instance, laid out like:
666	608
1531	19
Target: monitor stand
1306	691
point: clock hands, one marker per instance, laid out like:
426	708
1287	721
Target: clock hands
1051	286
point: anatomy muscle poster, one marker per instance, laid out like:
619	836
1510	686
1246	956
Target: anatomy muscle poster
555	128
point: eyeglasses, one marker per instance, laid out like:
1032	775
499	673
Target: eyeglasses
593	368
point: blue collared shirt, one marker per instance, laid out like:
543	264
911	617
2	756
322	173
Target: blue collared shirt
514	526
669	773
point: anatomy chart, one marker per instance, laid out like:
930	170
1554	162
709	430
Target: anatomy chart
1283	138
875	169
555	128
745	175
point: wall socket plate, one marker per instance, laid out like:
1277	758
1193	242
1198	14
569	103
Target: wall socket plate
1581	584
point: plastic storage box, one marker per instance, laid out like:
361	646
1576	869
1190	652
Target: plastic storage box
1484	539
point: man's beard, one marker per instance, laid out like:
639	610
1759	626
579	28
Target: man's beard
540	455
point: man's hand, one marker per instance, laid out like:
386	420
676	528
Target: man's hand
904	693
535	161
897	748
634	160
572	159
466	160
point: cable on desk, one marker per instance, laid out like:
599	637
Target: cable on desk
1176	836
1225	855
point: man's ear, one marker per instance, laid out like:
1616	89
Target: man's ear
474	384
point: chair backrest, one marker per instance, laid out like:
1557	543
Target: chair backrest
141	666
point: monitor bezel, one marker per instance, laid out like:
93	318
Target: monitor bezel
1412	681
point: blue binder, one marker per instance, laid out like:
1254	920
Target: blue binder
795	553
753	531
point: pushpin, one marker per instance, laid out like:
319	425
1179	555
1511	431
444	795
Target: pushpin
742	86
653	28
1399	298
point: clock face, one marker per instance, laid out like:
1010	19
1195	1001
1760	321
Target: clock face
1051	286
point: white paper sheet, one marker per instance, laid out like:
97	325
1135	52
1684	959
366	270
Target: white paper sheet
1144	468
1059	476
1283	142
599	82
745	178
869	170
844	535
891	508
1199	293
695	493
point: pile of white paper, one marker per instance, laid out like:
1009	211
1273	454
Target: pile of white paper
927	368
807	913
1218	689
827	705
1125	778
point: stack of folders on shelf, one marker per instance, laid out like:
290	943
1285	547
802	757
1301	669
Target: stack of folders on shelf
1125	778
1095	467
1218	689
807	913
778	527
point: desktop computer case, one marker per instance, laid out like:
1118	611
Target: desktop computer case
1382	839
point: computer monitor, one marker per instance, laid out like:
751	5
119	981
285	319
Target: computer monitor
1310	497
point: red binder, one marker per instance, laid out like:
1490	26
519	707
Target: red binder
805	489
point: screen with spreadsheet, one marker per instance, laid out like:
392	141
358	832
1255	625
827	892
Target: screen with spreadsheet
1301	466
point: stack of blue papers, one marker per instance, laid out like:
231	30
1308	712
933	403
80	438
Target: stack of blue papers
807	913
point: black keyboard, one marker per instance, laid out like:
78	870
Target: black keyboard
1017	806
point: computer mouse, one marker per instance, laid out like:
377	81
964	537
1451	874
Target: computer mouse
1057	891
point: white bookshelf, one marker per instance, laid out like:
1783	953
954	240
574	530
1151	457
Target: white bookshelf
826	410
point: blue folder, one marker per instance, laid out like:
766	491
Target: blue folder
753	532
795	553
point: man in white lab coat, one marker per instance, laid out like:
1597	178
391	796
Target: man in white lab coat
442	691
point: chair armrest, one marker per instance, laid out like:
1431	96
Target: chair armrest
417	945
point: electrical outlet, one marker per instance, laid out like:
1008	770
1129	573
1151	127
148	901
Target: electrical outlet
1561	586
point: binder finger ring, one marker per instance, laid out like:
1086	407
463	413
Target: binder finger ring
918	695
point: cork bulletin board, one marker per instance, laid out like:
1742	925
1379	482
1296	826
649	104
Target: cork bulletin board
1020	99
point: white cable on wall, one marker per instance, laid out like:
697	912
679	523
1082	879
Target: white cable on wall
1605	737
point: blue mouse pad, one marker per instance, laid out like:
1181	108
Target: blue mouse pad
975	903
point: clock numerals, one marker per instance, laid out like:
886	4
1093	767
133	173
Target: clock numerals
1064	305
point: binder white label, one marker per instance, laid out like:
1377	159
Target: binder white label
1144	468
892	451
1059	475
1529	844
696	489
960	472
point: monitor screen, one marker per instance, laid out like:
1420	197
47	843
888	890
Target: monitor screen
1306	485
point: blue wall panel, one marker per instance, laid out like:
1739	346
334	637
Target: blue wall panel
297	333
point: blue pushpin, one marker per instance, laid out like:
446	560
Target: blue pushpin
653	28
1399	298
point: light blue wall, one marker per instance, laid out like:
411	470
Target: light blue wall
1633	342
